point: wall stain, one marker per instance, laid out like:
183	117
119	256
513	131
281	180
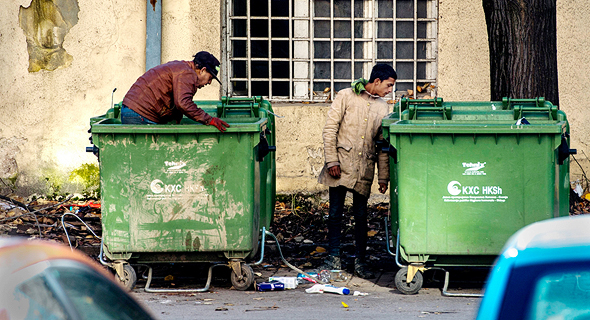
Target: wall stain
315	160
45	24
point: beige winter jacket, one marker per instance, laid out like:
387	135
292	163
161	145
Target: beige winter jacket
352	127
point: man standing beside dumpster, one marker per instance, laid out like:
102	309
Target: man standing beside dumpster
165	93
352	128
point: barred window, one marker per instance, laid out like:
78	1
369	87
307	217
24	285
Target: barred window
300	50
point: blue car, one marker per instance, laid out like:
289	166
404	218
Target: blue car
542	273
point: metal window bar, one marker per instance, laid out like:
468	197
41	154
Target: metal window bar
415	72
291	84
270	38
311	49
394	37
332	45
248	51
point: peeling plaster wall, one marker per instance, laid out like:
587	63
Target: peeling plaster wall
44	115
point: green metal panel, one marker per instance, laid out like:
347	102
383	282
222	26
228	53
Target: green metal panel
186	188
465	177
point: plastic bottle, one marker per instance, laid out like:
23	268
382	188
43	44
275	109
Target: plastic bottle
301	278
321	288
324	276
332	275
339	290
270	286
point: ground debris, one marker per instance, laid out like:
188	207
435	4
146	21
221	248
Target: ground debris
43	219
299	224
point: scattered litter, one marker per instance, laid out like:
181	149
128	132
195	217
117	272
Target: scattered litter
579	190
221	309
261	298
301	278
165	301
321	288
289	282
207	302
228	304
270	286
262	308
344	304
358	293
258	274
208	299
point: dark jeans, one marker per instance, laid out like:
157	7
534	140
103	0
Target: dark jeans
359	209
129	116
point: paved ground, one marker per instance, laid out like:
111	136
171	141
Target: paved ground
382	302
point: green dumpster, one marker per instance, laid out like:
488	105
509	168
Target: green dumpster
466	175
187	192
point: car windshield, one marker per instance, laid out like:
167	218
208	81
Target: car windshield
561	295
95	298
34	300
65	289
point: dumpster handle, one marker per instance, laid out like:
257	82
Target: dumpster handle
445	293
261	248
396	254
100	255
209	277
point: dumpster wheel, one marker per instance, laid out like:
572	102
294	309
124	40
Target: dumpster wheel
128	277
406	287
245	280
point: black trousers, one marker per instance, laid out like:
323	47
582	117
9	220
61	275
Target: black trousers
359	209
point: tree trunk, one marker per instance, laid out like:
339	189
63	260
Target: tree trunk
522	38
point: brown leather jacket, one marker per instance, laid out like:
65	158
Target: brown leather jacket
164	93
352	127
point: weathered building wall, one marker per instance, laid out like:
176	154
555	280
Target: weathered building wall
44	115
573	41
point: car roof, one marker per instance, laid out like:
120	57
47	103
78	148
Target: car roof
17	253
553	240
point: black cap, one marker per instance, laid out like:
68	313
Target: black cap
206	60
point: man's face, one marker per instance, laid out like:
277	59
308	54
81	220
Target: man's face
383	88
205	78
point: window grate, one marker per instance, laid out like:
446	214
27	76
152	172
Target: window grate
300	50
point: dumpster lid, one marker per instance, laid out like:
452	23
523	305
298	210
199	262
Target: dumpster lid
111	125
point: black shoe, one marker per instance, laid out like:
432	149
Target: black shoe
362	271
331	263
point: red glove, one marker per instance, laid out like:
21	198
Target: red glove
219	124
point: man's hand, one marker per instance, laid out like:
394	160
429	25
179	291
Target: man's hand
334	171
382	187
219	124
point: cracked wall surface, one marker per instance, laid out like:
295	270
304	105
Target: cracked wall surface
45	24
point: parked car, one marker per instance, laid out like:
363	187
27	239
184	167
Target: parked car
542	273
45	280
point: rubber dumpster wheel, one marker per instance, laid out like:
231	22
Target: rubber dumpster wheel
245	281
408	288
129	277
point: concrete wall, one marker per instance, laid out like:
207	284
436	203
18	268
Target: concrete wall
44	115
573	41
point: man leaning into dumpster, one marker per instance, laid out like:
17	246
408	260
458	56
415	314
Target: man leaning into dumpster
352	128
165	93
